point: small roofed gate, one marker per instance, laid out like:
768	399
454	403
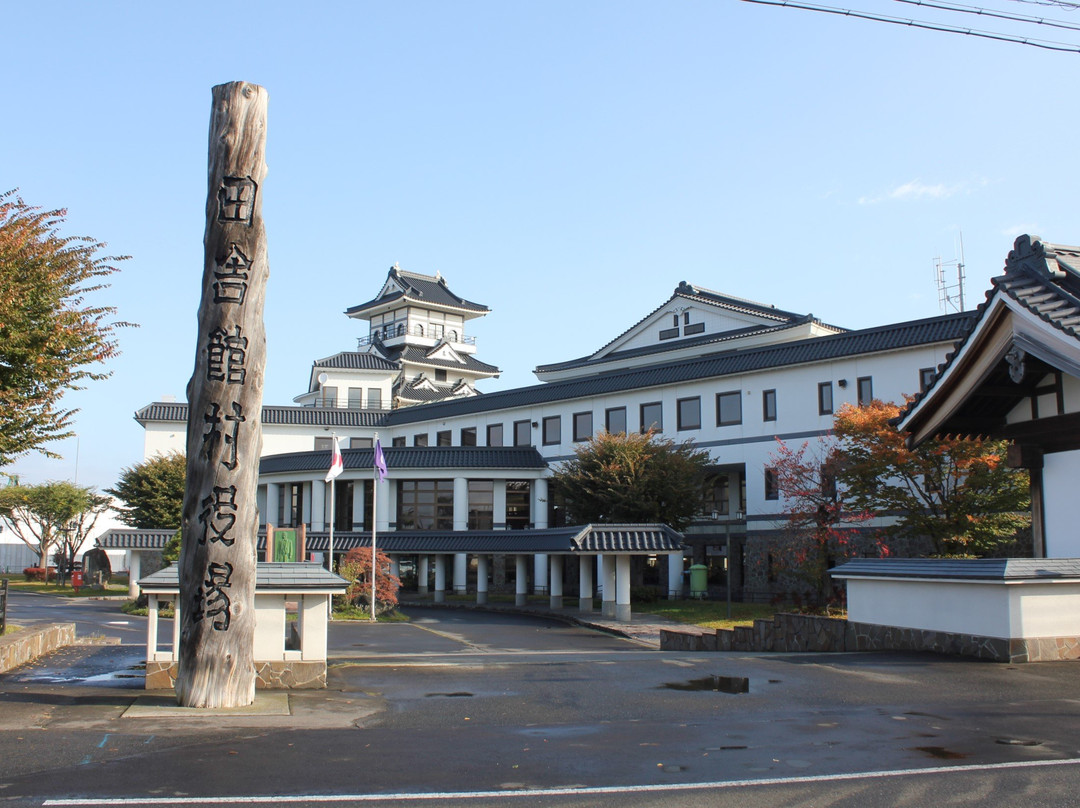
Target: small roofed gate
224	434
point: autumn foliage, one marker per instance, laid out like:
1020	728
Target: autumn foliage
355	567
958	494
50	334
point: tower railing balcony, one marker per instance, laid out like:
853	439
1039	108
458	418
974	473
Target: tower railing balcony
377	339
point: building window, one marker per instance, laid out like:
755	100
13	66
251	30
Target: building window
688	413
356	398
398	441
552	430
675	320
522	433
652	417
444	437
582	426
615	420
926	378
420	440
717	499
468	436
686	318
828	482
517	504
360	443
824	398
481	505
729	408
374	398
328	397
440	374
495	435
669	333
866	390
772	488
324	444
425	505
768	405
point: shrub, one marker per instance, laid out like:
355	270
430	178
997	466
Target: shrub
37	574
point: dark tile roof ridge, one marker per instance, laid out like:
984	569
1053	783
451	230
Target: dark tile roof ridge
177	411
692	342
345	355
417	355
551	391
685	289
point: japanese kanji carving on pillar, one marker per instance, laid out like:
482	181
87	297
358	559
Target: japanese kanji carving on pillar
224	436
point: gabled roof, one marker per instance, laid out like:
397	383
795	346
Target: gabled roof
1041	282
355	360
135	539
700	294
944	328
269	575
293	416
418	355
410	457
423	290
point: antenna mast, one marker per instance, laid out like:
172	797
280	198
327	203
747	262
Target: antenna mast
950	295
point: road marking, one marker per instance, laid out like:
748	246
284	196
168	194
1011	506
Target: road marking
568	791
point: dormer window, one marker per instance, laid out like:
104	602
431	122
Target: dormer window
440	375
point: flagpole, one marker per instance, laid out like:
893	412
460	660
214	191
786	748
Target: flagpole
374	522
333	511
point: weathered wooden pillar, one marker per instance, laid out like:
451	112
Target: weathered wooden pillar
224	433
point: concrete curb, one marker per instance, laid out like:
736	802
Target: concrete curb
29	643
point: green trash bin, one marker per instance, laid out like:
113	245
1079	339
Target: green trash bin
699	580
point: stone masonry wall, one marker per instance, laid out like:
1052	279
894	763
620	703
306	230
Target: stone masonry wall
29	643
794	633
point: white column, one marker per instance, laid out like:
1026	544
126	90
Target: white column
539	504
440	578
313	626
607	570
521	580
151	628
385	515
540	574
359	505
134	564
461	573
422	574
674	575
318	505
622	588
273	503
305	511
498	505
395	568
461	503
556	590
481	579
176	623
585	583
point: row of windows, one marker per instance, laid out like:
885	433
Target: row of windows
436	331
328	397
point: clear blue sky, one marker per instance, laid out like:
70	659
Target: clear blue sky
566	163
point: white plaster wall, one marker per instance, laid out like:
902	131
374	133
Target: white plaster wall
1061	470
1007	611
269	628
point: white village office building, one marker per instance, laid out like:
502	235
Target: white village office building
730	374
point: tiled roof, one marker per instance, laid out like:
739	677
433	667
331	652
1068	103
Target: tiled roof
411	457
945	328
421	289
1043	278
417	355
572	539
133	539
297	416
354	360
975	569
416	393
676	345
269	575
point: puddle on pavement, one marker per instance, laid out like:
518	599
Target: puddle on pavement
457	695
715	684
939	752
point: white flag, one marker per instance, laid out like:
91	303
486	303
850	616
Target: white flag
336	464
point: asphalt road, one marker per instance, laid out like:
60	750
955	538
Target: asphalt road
468	708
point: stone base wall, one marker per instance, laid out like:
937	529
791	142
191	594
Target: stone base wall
794	633
290	675
28	644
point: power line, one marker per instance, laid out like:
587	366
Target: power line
923	24
1001	15
1064	4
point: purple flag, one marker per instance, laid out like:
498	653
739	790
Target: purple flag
380	460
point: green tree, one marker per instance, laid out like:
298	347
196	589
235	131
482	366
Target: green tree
49	334
959	494
634	478
39	515
152	492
